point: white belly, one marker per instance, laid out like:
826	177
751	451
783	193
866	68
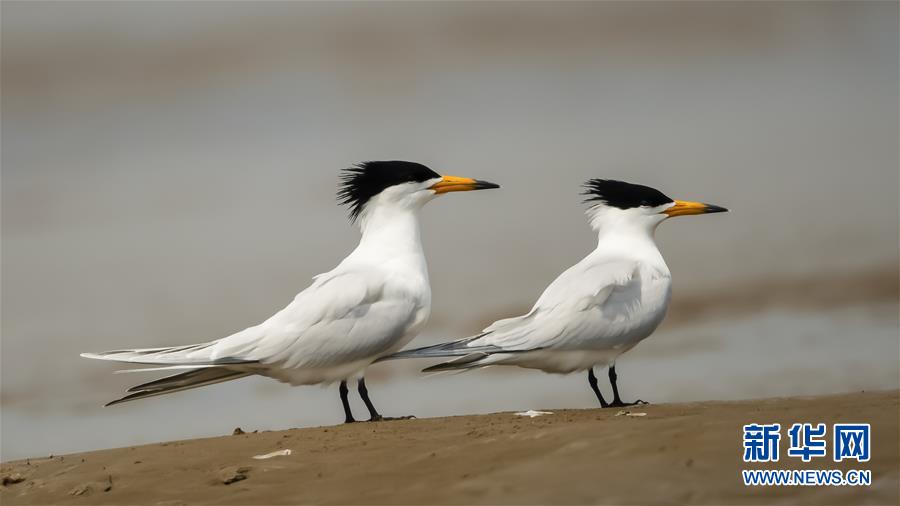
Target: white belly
317	375
560	362
596	337
629	316
327	359
340	325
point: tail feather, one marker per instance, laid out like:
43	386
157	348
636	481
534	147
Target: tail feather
165	368
195	354
182	381
456	348
198	358
468	357
470	361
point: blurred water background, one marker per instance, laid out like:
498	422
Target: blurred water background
169	169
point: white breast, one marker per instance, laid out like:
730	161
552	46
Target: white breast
597	336
593	312
370	305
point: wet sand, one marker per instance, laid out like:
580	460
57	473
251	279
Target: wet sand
675	453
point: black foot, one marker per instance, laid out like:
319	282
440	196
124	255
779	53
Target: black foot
374	415
379	418
617	403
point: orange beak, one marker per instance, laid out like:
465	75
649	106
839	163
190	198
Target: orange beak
460	184
685	208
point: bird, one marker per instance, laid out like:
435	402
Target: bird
596	310
372	304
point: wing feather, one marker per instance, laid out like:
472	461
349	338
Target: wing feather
340	318
569	310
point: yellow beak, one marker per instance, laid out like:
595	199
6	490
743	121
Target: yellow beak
685	208
460	184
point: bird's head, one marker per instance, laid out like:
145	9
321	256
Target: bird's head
620	203
399	184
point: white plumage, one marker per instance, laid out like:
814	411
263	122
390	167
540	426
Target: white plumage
372	304
597	309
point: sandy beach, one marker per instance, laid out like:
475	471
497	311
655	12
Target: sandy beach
169	177
673	454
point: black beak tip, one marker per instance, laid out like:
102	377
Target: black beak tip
715	209
485	185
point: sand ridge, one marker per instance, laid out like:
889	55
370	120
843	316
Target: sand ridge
674	454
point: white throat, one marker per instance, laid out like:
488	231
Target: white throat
627	234
390	237
390	230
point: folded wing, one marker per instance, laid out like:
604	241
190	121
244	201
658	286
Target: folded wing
569	311
343	317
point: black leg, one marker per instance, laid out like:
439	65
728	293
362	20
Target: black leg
617	402
592	380
364	393
613	377
373	413
348	415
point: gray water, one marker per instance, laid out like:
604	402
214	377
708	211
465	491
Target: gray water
168	173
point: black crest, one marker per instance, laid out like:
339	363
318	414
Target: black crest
364	180
623	195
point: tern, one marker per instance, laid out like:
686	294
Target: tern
372	304
597	309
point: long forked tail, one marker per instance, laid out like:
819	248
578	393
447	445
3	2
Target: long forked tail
202	368
178	382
